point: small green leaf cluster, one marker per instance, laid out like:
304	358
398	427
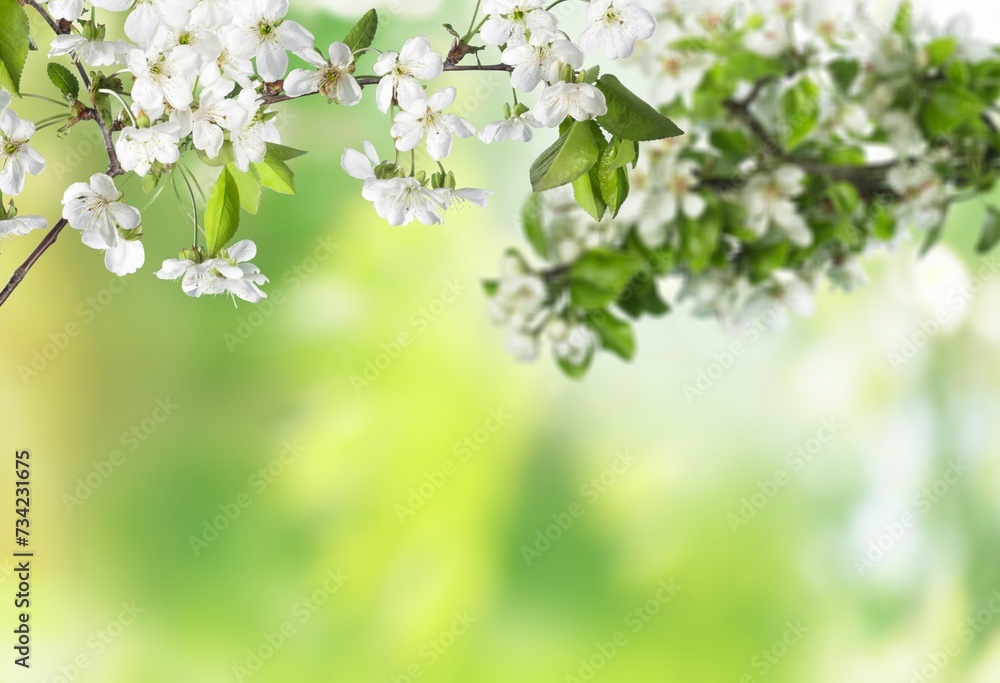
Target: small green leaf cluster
802	152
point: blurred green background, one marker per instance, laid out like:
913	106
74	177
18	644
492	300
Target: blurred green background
457	517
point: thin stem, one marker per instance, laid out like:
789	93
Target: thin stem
114	170
43	126
413	162
557	2
50	119
121	101
21	272
180	203
43	97
156	195
190	174
194	202
46	16
472	24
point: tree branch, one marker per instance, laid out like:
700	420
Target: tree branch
114	168
114	164
870	179
365	81
19	274
45	15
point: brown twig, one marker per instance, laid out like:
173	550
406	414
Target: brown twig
114	169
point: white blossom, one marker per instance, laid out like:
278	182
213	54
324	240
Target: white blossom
212	14
519	299
511	22
533	61
17	156
516	128
768	198
148	16
124	258
139	148
400	73
67	10
260	31
771	303
332	78
615	26
923	195
402	200
163	77
238	277
250	141
89	51
19	226
96	208
466	195
427	119
580	101
196	276
215	115
361	165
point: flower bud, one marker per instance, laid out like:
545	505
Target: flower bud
194	254
388	170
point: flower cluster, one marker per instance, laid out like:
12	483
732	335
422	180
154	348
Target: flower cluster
530	46
814	137
196	81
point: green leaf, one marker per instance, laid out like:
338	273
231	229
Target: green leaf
902	23
748	66
570	157
225	157
883	222
222	213
933	237
642	296
534	227
938	51
768	259
616	335
800	106
620	154
730	141
63	79
588	194
631	118
699	238
845	198
612	177
491	287
283	153
599	277
14	42
363	33
947	108
576	371
990	236
248	184
845	72
274	173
